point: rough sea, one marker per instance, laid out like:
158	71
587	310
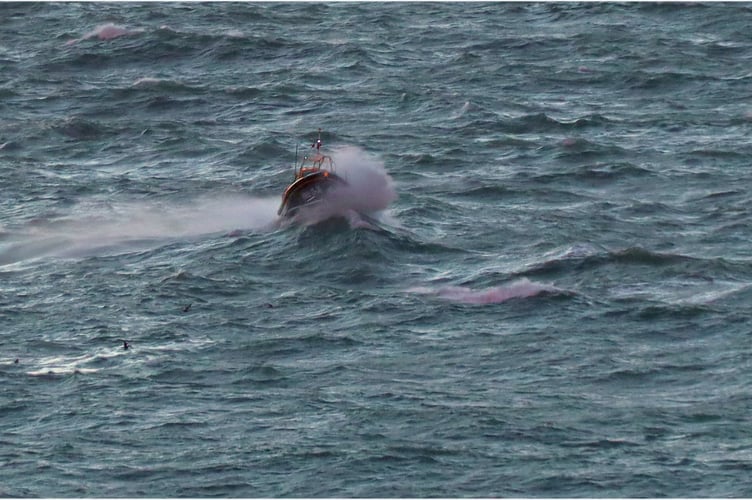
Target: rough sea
539	284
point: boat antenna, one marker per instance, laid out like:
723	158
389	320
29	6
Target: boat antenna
318	142
295	165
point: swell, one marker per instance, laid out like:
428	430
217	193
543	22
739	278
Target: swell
586	258
132	163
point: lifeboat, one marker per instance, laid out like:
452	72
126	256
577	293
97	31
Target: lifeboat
315	176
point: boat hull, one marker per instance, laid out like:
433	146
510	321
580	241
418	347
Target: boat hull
308	190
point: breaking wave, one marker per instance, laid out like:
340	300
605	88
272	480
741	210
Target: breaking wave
369	190
518	289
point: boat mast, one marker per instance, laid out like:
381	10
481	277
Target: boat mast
318	142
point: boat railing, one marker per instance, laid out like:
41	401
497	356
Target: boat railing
315	163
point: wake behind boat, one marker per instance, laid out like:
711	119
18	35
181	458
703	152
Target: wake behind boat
314	177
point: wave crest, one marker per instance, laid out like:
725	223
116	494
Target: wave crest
522	288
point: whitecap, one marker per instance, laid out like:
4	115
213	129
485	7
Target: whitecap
522	288
108	31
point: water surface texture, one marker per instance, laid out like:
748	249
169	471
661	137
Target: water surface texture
539	284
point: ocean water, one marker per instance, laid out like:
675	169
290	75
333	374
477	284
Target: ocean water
539	283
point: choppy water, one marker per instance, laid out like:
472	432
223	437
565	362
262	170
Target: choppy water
552	297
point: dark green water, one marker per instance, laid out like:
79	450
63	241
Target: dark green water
552	298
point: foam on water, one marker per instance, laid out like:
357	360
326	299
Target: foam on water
108	31
518	289
134	225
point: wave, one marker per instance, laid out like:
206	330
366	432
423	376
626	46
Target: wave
588	256
108	31
368	193
522	288
675	280
528	123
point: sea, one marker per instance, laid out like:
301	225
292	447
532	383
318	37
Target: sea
538	283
